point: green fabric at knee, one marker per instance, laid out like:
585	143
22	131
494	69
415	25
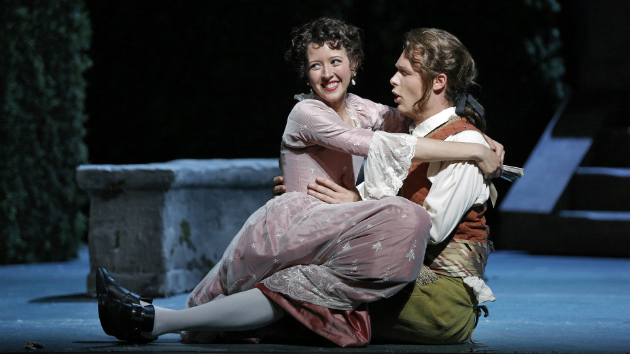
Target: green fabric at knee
438	313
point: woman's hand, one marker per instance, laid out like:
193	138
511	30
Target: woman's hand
496	147
278	186
488	161
332	193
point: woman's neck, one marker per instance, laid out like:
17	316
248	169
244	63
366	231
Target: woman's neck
342	111
339	106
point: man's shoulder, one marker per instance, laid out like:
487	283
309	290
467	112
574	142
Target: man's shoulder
468	136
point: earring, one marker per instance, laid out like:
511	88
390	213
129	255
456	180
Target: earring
308	83
353	76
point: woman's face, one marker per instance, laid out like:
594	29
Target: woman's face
408	87
329	72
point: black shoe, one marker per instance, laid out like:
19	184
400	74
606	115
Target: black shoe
125	321
108	326
106	285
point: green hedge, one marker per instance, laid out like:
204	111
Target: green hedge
42	90
544	46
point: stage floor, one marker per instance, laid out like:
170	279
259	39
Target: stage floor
544	304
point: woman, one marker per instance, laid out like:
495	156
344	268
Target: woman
319	263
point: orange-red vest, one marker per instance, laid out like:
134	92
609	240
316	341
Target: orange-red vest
416	186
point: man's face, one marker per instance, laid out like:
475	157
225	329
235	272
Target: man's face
408	87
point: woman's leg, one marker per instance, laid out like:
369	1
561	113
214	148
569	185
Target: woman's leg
382	240
238	312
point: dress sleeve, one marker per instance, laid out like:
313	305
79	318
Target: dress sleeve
456	187
387	165
311	122
392	121
379	117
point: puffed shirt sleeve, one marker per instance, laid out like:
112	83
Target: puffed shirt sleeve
456	187
311	122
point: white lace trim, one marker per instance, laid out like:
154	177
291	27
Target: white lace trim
354	119
387	165
481	290
312	284
305	96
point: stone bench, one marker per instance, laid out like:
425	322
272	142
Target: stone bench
158	228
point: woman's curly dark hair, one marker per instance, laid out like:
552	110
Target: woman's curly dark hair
335	33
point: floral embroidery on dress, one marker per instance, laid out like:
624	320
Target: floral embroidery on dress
410	255
312	284
377	246
404	216
346	246
278	234
354	268
386	277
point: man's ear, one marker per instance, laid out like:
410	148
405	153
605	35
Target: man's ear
439	83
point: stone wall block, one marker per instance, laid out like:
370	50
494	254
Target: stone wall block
159	228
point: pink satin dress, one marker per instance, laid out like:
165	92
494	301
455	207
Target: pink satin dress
322	261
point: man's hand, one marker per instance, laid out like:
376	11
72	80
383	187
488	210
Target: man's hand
278	186
332	193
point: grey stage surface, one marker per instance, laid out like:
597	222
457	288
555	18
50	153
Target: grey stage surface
544	304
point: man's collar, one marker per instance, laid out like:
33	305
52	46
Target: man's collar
431	123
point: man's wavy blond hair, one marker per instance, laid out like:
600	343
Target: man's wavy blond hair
432	52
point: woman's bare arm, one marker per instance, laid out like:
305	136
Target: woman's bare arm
430	150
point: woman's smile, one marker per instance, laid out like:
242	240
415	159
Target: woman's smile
331	86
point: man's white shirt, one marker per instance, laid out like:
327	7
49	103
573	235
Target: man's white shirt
457	185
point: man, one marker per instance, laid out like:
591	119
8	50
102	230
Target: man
434	74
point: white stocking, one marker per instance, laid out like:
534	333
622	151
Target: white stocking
242	311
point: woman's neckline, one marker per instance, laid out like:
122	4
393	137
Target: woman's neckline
312	96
